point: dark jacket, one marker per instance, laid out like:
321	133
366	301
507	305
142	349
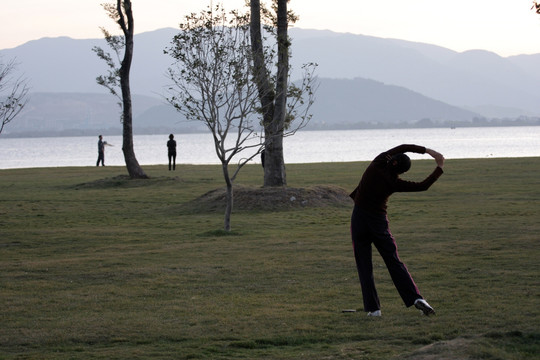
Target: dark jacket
171	146
379	181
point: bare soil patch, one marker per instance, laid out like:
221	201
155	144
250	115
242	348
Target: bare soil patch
456	349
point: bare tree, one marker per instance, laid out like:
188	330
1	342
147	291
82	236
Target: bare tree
13	93
279	99
211	84
118	77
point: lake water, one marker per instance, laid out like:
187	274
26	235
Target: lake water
304	147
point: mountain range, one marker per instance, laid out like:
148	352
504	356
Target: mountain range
363	81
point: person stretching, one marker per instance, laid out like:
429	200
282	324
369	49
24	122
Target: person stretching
369	224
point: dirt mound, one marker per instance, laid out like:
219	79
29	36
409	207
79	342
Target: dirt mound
273	199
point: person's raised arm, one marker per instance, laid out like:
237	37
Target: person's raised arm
439	158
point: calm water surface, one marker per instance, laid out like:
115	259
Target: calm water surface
304	147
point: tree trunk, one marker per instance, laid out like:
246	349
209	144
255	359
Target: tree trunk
229	197
274	163
276	175
273	105
134	169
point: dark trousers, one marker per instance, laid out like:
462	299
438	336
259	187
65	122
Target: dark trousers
101	159
172	158
366	229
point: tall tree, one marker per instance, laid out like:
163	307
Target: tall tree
275	91
211	84
122	14
13	93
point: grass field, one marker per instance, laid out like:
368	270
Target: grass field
94	266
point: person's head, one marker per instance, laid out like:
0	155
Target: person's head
171	136
100	137
400	163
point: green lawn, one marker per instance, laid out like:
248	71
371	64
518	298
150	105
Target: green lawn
94	266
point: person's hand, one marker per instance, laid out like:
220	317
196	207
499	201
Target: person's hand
439	158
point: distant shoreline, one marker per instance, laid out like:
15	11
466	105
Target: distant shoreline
311	127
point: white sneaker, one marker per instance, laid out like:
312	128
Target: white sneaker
374	313
424	306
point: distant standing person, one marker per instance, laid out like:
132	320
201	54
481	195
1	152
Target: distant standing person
101	151
369	224
171	147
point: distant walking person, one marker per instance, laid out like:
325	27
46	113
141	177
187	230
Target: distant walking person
101	151
369	224
171	146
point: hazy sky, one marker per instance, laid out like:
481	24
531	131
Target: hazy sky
507	27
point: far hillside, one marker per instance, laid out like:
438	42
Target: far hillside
365	81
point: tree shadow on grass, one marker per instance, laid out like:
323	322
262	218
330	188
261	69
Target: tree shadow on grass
124	181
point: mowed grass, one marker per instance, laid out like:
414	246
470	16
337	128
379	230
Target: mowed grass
94	266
